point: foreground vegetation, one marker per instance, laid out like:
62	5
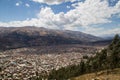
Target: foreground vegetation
107	59
102	75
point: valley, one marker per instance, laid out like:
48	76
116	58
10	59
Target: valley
23	63
59	39
28	53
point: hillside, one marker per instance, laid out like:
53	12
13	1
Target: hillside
106	59
102	75
15	37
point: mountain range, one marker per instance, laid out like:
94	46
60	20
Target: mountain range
15	37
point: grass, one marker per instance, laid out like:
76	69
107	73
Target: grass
102	75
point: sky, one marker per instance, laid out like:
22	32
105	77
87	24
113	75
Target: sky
96	17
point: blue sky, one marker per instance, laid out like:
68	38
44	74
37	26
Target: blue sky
9	11
97	17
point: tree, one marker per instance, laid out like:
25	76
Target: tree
113	52
114	42
82	67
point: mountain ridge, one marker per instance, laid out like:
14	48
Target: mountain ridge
44	31
13	37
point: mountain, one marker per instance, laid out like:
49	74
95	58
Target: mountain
15	37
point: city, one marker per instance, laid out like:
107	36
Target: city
15	65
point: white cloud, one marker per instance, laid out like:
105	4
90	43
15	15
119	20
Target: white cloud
83	15
100	31
68	7
27	5
109	32
17	4
52	2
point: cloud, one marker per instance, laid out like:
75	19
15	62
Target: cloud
84	14
107	32
99	31
18	3
68	7
27	5
52	2
111	31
